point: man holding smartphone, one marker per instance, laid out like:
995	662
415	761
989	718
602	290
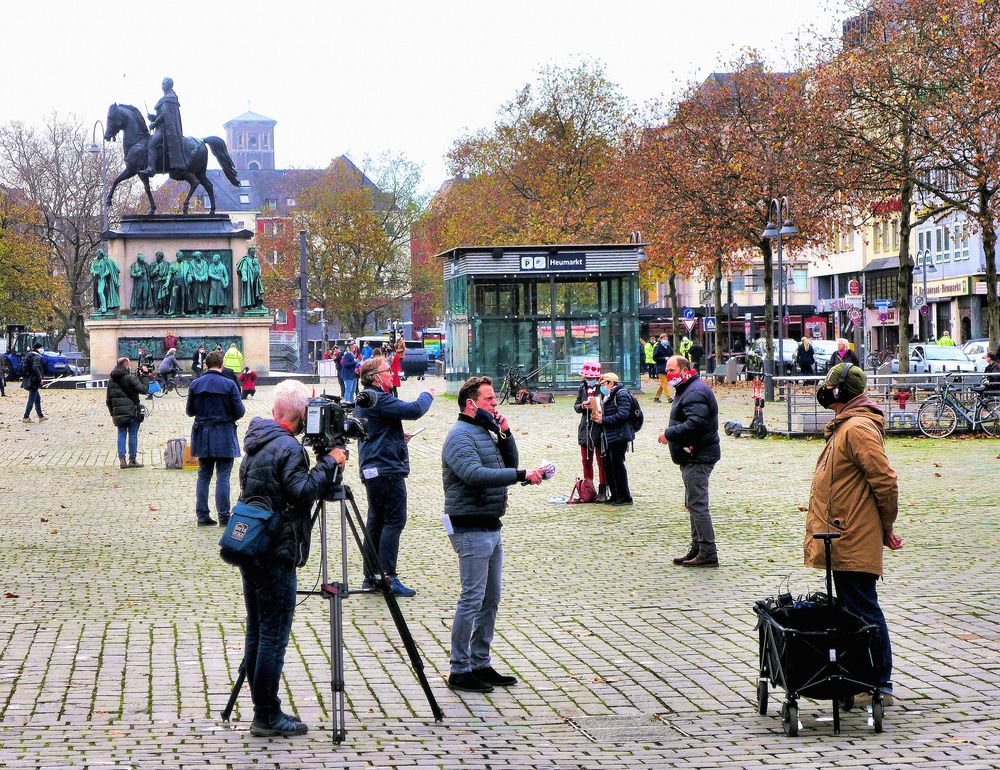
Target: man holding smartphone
385	464
480	462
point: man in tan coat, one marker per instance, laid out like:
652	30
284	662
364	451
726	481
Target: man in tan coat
854	493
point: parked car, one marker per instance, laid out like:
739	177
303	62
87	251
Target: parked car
936	359
977	349
824	350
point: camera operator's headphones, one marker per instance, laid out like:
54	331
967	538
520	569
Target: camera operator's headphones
842	379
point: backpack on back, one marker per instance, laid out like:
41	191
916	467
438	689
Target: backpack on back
635	415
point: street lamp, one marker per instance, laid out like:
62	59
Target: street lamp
96	148
778	211
926	266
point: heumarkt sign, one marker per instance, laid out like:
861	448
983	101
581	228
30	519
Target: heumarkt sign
947	287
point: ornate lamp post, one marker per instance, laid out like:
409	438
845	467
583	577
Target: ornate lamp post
96	148
778	211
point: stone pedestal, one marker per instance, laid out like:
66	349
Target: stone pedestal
115	335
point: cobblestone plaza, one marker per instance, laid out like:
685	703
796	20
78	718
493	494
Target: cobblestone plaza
121	629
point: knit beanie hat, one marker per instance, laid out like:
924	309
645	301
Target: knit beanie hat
854	384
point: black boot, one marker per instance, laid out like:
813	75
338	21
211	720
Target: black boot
602	493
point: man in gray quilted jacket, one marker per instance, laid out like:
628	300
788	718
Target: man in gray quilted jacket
480	462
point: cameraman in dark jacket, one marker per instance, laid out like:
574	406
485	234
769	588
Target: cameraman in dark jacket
385	464
275	475
693	437
122	401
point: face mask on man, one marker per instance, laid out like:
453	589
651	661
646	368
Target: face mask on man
487	420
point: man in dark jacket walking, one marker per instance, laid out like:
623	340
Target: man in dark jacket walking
31	381
661	354
693	437
385	464
276	475
122	401
214	402
480	462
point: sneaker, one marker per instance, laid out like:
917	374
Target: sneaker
206	522
43	418
629	501
701	561
864	699
370	585
468	682
656	401
398	589
491	677
280	725
223	521
122	462
27	420
133	463
687	557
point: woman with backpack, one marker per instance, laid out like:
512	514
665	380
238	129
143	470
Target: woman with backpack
589	435
617	422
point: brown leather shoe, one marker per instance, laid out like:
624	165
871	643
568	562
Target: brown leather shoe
700	561
687	557
123	462
134	464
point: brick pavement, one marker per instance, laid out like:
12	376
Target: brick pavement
123	634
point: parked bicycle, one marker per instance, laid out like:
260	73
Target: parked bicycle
939	415
513	380
877	358
178	383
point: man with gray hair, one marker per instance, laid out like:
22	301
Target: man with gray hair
275	475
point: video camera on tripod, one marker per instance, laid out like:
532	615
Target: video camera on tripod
330	423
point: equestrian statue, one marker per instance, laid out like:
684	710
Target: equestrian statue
168	151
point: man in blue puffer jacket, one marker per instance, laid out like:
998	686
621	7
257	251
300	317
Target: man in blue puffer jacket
480	462
385	464
693	437
275	475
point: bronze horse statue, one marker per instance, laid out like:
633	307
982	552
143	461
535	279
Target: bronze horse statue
127	119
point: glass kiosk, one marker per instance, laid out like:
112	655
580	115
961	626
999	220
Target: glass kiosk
549	309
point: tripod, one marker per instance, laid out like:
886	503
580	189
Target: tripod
335	593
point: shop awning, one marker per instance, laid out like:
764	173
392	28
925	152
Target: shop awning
883	263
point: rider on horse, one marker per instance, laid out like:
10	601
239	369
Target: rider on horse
167	122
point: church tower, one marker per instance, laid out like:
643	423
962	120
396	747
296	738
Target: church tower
250	138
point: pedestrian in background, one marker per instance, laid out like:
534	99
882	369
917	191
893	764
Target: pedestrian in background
214	402
617	433
122	401
843	354
233	360
805	356
695	353
338	356
693	438
661	354
647	351
31	381
198	361
348	372
248	383
169	341
855	493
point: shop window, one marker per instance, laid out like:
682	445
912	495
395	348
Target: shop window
738	283
895	235
876	238
800	279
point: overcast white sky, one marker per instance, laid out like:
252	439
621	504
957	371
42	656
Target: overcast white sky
360	78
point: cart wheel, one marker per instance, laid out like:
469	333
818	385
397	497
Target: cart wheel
762	697
737	433
729	429
790	718
878	712
761	431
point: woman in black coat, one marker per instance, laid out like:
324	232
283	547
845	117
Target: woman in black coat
806	356
589	431
122	401
843	354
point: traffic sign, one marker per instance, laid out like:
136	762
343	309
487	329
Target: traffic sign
854	287
689	323
925	310
918	300
710	323
883	317
883	304
688	314
706	296
787	320
854	314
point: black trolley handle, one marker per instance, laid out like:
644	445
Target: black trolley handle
826	537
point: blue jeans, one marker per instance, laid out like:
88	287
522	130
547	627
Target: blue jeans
34	400
480	563
856	590
386	518
269	594
350	386
132	431
223	467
